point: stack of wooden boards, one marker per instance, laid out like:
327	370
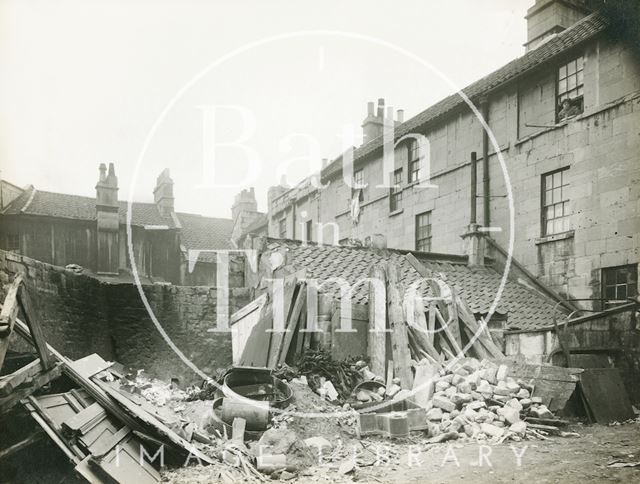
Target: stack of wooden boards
97	426
268	331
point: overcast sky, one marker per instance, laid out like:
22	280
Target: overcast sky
83	82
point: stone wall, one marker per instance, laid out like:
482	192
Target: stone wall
82	315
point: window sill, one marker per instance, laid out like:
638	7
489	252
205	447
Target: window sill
555	237
396	212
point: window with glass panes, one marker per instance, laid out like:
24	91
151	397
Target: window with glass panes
571	84
423	232
555	202
13	242
619	284
395	194
282	228
358	181
414	160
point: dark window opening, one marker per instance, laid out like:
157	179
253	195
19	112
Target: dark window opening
13	243
282	228
423	232
555	202
308	231
570	89
414	161
619	284
395	193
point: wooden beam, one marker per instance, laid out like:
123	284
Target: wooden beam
377	335
398	326
292	323
37	382
10	382
8	315
33	321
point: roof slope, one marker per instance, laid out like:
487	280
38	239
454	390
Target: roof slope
198	232
526	308
575	35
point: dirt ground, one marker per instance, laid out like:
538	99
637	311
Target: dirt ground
569	459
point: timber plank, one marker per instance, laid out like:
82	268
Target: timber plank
33	321
399	330
10	382
8	315
37	382
377	334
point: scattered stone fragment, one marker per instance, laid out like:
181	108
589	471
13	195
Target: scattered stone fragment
519	428
441	386
510	414
523	393
515	403
443	403
541	412
537	400
491	430
501	373
435	414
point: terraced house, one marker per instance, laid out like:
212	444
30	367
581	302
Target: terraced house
566	118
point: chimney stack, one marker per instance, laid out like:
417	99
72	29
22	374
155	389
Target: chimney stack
107	221
163	193
547	18
245	201
373	125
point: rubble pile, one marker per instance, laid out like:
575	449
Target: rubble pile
478	400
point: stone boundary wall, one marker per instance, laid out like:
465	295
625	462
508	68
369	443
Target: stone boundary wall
83	315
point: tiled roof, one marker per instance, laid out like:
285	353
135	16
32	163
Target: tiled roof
575	35
198	232
526	308
62	205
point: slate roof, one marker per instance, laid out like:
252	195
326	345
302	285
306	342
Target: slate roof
526	308
198	232
575	35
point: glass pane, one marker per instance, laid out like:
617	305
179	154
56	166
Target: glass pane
557	226
557	179
565	224
571	82
550	212
610	292
579	64
562	72
562	86
549	228
621	276
580	77
580	91
621	292
571	67
557	195
558	211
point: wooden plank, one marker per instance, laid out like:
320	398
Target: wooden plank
89	365
22	375
452	343
256	351
454	323
377	335
431	324
23	444
484	338
8	315
88	385
83	420
292	323
37	382
105	445
243	326
33	321
606	395
398	326
55	437
282	295
152	421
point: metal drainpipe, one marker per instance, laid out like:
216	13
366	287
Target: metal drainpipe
474	193
486	187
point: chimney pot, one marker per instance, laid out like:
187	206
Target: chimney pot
400	115
370	108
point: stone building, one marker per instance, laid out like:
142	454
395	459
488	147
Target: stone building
566	121
64	229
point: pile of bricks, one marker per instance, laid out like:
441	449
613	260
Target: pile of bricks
472	400
479	400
